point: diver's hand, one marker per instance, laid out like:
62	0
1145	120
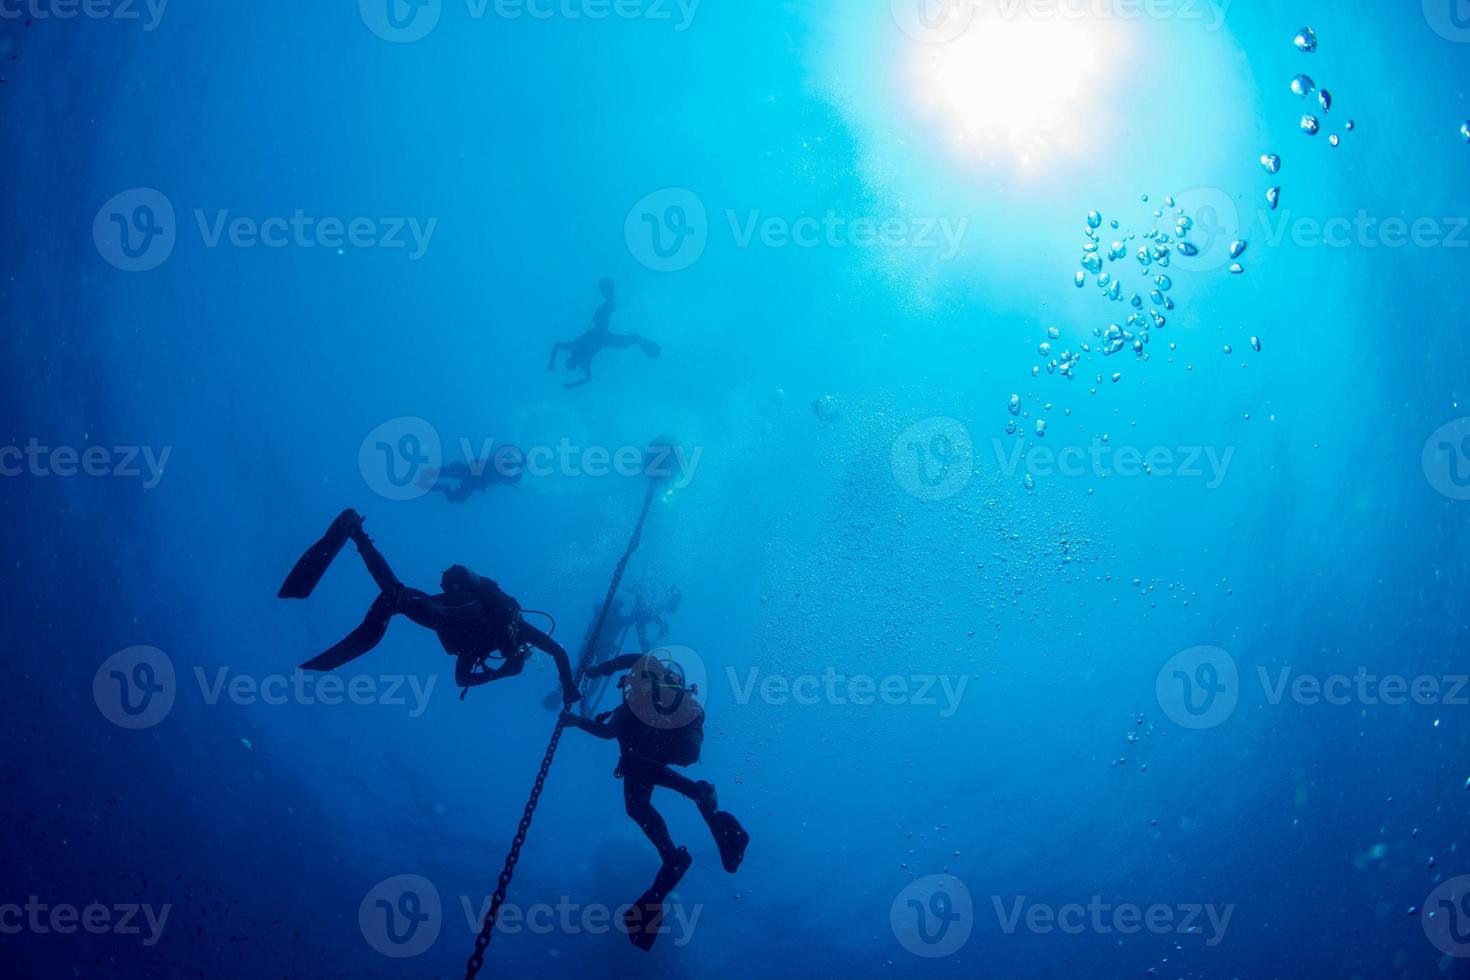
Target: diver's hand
573	719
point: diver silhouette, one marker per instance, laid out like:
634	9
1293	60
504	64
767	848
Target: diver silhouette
581	351
474	619
645	620
462	480
659	725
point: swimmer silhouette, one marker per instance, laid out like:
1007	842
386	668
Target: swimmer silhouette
474	619
581	351
659	725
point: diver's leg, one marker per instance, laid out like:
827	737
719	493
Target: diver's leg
700	792
586	377
543	641
377	565
360	640
638	800
622	340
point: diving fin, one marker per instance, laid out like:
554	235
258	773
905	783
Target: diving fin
313	565
650	348
731	838
644	921
367	635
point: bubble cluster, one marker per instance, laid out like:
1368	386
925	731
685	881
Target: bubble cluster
1304	86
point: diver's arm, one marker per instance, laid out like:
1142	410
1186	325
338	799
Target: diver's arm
543	641
465	674
609	667
591	726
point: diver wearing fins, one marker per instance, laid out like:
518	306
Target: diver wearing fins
581	351
459	481
659	725
474	619
646	621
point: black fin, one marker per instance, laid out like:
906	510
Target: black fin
731	838
644	921
313	565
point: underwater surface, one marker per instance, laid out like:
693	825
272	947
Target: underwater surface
1051	419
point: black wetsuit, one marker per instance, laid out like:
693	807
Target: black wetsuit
473	625
640	773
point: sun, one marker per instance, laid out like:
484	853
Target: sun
1020	87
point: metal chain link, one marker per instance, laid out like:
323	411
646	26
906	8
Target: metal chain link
487	928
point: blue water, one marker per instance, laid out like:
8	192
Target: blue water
1040	751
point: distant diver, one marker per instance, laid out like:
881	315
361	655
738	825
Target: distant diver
658	725
462	480
646	621
475	620
581	351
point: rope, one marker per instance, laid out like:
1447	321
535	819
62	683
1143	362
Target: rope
487	928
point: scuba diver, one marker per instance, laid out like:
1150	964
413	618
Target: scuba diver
581	351
474	619
658	725
462	480
646	621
